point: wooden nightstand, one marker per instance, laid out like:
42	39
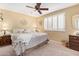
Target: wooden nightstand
5	40
74	42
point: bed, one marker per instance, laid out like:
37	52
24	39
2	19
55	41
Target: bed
25	41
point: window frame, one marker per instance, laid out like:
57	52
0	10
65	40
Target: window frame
64	26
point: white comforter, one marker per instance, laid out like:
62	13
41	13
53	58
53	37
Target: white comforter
23	41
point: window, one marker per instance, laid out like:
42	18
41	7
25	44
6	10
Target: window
77	23
55	22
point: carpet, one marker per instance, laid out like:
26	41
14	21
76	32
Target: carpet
53	48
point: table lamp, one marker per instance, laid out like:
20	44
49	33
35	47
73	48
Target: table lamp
35	28
5	27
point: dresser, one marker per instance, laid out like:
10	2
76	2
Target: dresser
5	40
74	42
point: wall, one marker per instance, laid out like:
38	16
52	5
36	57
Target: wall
61	36
17	20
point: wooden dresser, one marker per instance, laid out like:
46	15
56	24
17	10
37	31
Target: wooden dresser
5	40
74	42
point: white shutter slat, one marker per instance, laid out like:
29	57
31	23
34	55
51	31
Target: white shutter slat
61	22
45	24
50	23
54	22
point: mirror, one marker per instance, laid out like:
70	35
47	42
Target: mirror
75	21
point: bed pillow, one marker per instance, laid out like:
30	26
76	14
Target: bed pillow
18	30
28	31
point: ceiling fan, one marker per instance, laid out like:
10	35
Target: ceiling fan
38	8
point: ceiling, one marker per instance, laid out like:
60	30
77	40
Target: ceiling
20	7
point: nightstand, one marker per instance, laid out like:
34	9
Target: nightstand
5	40
74	42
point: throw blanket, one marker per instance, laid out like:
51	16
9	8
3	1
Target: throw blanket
20	41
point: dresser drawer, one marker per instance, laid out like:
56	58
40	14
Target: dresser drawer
74	47
73	44
72	37
74	41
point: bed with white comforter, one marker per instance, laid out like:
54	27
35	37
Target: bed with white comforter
23	41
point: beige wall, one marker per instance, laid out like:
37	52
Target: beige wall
60	36
17	20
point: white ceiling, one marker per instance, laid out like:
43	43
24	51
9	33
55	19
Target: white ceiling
20	7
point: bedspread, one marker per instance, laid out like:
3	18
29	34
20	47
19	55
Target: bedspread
23	41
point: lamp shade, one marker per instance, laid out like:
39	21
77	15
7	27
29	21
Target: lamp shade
5	26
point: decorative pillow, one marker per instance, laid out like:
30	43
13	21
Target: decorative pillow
28	30
18	31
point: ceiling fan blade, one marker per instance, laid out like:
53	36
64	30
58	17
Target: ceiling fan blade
30	7
43	8
39	12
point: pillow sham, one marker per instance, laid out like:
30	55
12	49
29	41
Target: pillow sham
18	30
28	31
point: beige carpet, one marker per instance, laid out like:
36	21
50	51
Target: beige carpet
53	48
